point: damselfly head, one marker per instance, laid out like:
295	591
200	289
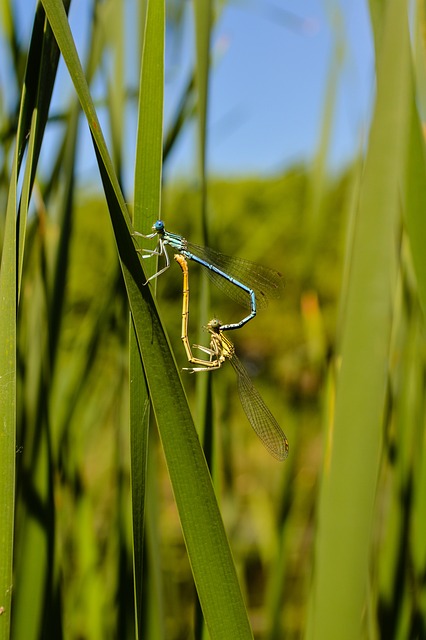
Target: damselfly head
158	226
214	325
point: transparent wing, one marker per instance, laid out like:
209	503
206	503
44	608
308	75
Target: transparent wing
258	414
265	282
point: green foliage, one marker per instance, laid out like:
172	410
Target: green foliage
119	530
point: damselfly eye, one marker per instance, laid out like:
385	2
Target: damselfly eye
158	226
214	324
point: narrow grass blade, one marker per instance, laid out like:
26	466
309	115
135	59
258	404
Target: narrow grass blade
40	75
114	22
147	206
8	299
202	13
316	221
25	199
10	282
349	483
202	25
415	201
150	123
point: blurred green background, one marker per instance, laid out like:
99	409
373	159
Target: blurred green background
98	537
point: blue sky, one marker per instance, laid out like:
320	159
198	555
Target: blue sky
268	87
269	79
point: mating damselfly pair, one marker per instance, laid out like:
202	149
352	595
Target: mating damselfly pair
247	283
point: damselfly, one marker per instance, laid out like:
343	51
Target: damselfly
222	349
246	282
